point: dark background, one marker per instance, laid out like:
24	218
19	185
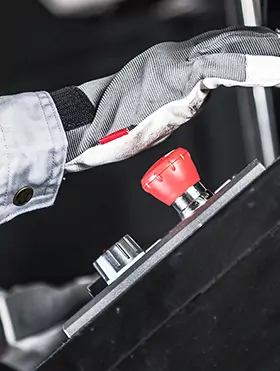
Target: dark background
95	208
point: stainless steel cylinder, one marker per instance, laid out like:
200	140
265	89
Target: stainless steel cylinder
192	199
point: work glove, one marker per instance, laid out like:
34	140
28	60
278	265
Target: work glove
150	97
163	88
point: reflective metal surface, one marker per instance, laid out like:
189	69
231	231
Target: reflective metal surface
116	260
192	199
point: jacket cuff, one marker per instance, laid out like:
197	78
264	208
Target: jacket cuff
33	149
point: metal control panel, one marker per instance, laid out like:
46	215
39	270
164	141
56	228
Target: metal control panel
123	279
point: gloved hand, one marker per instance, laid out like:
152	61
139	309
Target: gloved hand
163	88
155	93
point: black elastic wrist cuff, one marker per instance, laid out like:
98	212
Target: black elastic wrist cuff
74	107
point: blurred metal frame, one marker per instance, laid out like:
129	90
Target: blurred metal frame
255	104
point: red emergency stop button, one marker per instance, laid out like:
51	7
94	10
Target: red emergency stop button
171	176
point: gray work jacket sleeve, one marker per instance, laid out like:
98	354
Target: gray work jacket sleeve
33	149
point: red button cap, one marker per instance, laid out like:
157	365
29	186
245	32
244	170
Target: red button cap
171	176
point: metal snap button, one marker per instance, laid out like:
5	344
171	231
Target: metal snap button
23	196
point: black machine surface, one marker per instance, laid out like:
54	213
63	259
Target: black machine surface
201	300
